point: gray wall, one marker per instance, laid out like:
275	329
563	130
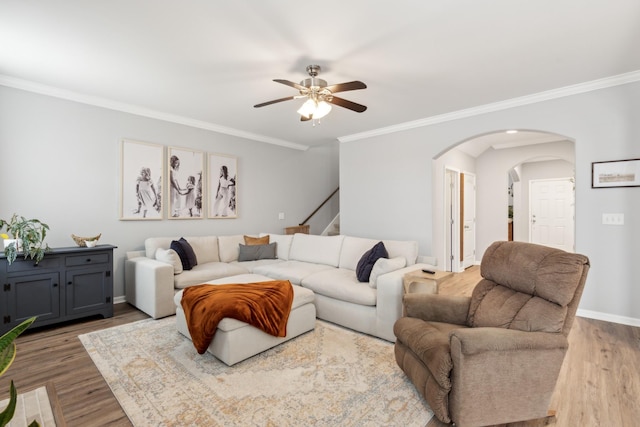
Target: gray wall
387	187
60	162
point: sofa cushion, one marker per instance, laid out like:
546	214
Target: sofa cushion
384	266
251	265
151	244
188	250
204	272
229	247
341	284
369	258
184	258
205	248
316	249
169	256
283	242
250	240
352	250
293	271
256	252
408	249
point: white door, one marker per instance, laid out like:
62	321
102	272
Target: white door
450	222
468	220
552	213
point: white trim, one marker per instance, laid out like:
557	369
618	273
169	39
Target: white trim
502	105
141	111
119	300
614	318
603	83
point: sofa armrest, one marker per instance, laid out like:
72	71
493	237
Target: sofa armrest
437	308
149	286
389	301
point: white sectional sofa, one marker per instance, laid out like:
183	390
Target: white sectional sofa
324	264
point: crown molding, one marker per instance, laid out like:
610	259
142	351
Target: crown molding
562	92
141	111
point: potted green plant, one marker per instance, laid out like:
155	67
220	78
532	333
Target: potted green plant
29	237
7	355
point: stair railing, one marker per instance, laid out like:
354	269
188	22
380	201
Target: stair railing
303	227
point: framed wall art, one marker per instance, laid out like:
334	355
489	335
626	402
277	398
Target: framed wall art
223	186
185	183
141	167
616	173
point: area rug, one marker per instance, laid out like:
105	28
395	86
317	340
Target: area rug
330	376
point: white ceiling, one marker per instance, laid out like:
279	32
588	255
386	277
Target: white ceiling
206	63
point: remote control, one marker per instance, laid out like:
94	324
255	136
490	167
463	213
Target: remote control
424	270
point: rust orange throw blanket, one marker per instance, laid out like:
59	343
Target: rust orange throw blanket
265	305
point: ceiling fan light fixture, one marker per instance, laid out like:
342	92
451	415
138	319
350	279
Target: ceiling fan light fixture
308	108
320	96
312	109
322	109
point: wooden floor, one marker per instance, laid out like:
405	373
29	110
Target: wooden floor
599	384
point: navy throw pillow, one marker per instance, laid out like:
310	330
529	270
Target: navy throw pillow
365	265
191	255
176	246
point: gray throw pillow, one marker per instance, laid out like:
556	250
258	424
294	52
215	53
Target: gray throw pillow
256	252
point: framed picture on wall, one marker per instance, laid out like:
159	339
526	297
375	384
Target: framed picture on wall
185	195
616	173
223	186
141	167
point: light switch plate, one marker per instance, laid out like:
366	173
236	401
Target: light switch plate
613	219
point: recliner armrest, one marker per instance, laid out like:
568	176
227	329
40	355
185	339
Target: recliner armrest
478	340
437	308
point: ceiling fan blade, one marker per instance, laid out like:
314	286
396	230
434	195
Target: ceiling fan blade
288	83
304	119
273	102
358	108
343	87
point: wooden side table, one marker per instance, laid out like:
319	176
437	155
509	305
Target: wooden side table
418	281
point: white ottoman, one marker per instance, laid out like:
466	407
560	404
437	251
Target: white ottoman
235	341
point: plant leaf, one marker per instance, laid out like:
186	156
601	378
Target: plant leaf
7	414
6	357
7	346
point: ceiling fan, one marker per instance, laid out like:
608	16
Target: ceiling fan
319	95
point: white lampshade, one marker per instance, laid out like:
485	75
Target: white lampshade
308	108
314	110
322	109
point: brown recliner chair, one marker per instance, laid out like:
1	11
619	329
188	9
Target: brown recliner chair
494	357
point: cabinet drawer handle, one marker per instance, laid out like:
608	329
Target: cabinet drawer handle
88	259
55	285
69	283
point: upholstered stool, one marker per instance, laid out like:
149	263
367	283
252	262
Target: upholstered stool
235	341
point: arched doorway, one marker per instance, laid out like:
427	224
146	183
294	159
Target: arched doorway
490	158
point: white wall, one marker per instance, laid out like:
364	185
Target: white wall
387	186
60	162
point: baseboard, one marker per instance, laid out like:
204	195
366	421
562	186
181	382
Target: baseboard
119	300
609	317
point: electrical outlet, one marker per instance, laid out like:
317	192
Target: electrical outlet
281	215
613	219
